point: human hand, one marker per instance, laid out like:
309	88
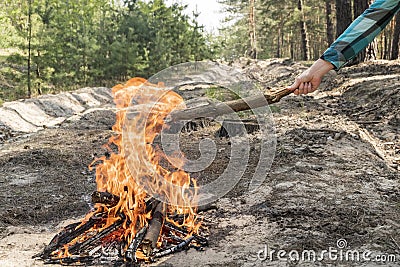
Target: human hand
311	78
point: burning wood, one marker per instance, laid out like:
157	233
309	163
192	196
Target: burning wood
127	224
173	249
105	198
68	234
130	253
201	240
151	237
92	247
80	246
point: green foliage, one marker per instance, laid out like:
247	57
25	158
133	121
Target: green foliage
275	109
221	93
9	36
234	39
79	43
277	28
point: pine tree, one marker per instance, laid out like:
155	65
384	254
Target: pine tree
343	16
359	7
396	39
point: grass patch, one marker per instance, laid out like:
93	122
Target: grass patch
275	109
3	58
221	94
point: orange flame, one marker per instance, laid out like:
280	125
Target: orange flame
134	141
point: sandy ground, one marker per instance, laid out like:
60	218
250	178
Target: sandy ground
335	176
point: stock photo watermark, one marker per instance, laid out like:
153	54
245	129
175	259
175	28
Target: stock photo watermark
340	253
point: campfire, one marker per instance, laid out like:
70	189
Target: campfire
144	208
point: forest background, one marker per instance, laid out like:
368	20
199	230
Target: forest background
48	46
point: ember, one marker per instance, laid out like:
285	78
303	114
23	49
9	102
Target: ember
142	210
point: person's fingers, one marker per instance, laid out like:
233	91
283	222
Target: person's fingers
295	85
301	86
305	88
308	88
301	89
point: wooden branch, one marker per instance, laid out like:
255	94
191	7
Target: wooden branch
151	204
201	240
365	111
113	227
69	260
214	110
182	245
67	235
105	198
150	239
130	253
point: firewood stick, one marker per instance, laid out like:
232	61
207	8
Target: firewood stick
150	240
130	253
80	246
70	233
174	249
151	204
201	240
215	110
365	111
105	198
69	260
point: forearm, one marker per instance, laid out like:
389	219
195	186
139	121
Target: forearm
320	68
361	32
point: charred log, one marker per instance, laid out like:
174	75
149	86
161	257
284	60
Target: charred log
70	260
203	208
130	253
151	204
184	244
105	198
201	240
150	240
105	232
69	233
175	238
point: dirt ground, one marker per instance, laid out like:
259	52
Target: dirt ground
335	176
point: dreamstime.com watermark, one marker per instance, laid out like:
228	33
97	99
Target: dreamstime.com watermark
340	253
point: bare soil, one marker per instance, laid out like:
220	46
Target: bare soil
335	176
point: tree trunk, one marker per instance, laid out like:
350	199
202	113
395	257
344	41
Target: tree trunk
278	48
386	49
38	76
359	7
343	16
252	31
396	39
292	54
29	46
372	50
329	23
303	30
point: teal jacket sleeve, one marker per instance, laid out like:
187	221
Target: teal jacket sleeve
361	32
